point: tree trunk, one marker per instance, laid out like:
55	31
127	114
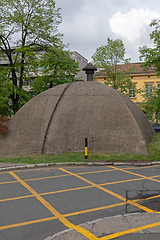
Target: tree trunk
15	102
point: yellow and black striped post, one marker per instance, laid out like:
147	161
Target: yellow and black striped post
86	148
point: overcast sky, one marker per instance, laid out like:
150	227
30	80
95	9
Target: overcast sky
87	24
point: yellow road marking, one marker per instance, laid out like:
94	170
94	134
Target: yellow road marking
80	188
89	210
132	202
74	189
67	223
8	182
65	175
118	234
16	198
133	230
36	179
26	223
136	174
94	184
58	176
43	178
68	190
80	173
65	215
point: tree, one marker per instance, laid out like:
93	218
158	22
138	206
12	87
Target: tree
151	104
56	67
151	56
5	90
111	59
29	29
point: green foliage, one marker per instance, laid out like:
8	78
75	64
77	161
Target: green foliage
151	104
29	40
56	67
151	56
110	58
5	90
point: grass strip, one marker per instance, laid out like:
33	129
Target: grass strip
154	155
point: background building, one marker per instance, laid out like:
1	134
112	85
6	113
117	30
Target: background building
82	63
141	79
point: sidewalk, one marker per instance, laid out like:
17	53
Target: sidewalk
143	223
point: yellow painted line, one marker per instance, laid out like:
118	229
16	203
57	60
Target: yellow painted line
149	198
123	181
152	166
136	174
65	175
46	193
36	179
133	230
62	191
65	215
67	190
26	223
58	176
94	184
7	182
67	223
16	198
132	202
100	171
43	178
73	189
94	209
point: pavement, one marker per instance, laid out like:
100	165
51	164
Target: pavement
139	225
115	227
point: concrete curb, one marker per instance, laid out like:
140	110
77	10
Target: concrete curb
111	225
28	166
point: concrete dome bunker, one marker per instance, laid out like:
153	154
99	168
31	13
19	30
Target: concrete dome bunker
59	119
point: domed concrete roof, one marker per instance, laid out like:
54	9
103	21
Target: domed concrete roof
59	119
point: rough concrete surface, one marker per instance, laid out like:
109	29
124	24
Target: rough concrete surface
110	225
59	119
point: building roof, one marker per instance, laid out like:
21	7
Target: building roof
131	68
89	66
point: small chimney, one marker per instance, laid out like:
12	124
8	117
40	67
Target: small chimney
89	70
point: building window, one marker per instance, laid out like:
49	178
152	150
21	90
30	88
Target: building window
149	88
132	91
158	85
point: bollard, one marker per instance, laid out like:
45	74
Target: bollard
86	148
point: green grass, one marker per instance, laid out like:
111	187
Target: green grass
154	155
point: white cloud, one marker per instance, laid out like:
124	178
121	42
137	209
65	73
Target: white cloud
132	24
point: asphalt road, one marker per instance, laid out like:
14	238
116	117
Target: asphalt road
37	203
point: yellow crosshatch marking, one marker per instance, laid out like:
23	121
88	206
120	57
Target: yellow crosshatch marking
67	223
63	217
136	174
74	189
110	192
